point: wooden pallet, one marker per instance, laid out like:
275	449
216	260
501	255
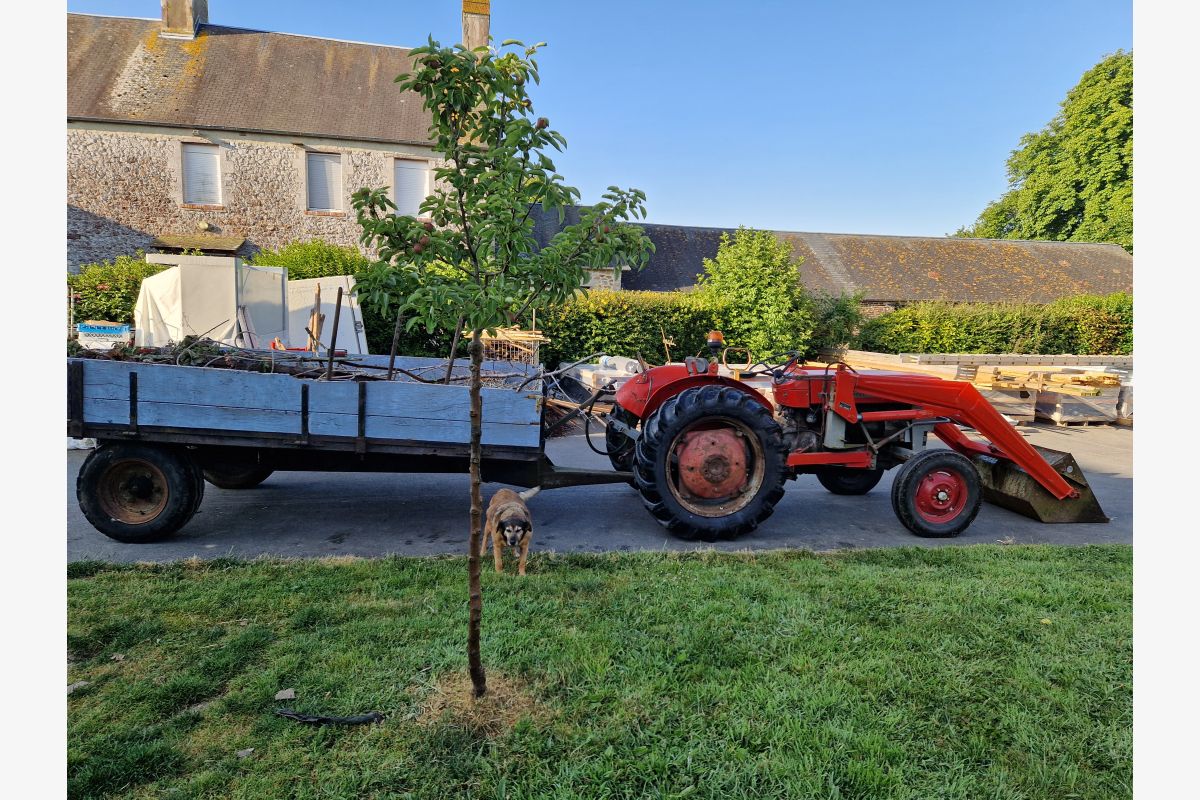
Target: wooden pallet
1009	359
1016	403
1066	407
1080	423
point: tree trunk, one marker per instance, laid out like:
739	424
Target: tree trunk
478	677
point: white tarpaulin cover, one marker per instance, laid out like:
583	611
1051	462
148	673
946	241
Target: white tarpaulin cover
203	299
351	335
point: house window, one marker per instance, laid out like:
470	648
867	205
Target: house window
201	174
324	182
411	185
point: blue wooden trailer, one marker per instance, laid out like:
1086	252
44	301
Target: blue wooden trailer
163	430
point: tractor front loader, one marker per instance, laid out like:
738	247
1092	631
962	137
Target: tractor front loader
710	453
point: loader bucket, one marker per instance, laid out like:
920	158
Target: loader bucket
1006	484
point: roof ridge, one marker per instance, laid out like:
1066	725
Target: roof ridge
251	30
880	235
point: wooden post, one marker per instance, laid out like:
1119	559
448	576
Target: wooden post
475	589
337	314
75	398
315	318
395	344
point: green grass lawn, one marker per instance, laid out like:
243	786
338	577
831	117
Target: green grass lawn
967	672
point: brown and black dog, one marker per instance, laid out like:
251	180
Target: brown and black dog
508	522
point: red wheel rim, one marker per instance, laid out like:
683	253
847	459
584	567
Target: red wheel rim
715	466
941	496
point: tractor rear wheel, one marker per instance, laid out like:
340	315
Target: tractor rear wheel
709	463
937	493
845	480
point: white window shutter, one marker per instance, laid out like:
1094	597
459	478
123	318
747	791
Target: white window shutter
201	174
324	182
411	186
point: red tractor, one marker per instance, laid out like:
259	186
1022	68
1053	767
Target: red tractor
710	453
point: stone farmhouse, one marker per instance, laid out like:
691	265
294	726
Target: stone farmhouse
231	140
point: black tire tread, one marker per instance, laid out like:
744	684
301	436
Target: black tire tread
681	410
850	482
621	452
236	477
914	470
177	467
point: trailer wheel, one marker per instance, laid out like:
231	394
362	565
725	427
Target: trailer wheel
844	480
710	463
137	493
197	482
937	493
234	476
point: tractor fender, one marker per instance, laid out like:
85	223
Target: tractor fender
643	395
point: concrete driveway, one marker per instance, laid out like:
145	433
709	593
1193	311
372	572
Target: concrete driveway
306	514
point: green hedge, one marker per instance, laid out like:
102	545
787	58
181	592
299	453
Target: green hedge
1085	325
628	323
109	290
314	259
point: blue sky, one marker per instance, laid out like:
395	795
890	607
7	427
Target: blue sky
858	117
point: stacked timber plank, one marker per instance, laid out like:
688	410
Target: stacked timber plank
1009	391
513	344
1078	396
893	362
1009	359
1064	389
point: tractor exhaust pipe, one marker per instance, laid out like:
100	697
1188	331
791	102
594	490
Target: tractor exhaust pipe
1007	485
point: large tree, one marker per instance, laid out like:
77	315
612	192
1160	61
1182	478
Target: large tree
471	259
1073	180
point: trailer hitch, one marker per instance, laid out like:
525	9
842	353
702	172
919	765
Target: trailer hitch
623	427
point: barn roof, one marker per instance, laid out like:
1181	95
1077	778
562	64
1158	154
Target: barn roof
122	70
908	268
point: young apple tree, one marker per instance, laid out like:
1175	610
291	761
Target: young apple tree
471	260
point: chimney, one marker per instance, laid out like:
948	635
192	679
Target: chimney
477	19
181	18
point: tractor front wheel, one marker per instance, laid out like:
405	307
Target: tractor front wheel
937	493
709	463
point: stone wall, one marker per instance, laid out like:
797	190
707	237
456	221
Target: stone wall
877	308
124	188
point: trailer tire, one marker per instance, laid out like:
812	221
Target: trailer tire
197	481
137	493
849	481
665	490
937	493
236	476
